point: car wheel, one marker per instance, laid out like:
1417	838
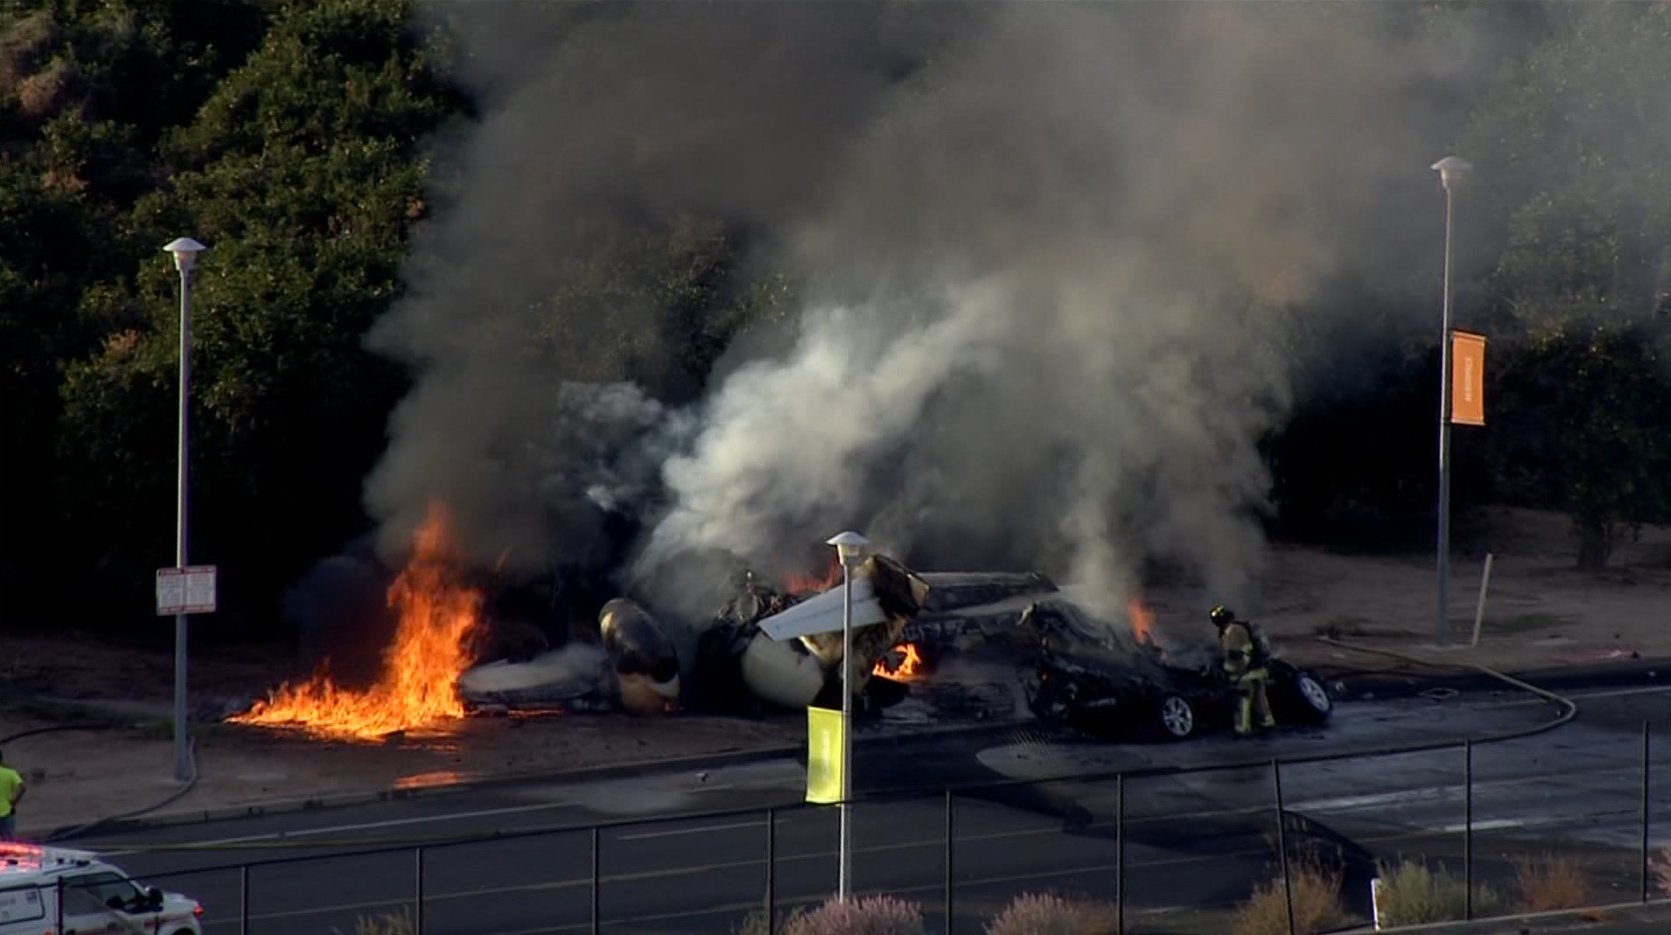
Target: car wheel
1177	716
1313	695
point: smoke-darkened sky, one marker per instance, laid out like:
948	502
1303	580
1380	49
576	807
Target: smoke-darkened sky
1047	258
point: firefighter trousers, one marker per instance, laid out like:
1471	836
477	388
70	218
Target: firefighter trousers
1252	698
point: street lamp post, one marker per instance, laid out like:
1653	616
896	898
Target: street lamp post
1451	169
851	549
185	252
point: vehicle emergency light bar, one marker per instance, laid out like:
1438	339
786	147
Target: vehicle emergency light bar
37	857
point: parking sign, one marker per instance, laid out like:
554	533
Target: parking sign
188	590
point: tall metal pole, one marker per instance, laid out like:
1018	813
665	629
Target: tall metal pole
597	882
1443	632
844	877
1647	863
771	871
1120	854
182	751
1468	830
1282	844
949	861
418	889
1451	170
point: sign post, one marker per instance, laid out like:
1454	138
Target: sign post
188	590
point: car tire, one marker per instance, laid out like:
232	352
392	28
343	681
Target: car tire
1175	717
1312	698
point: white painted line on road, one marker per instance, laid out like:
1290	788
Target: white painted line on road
1489	824
1578	696
398	822
652	835
363	826
1622	692
1351	802
1621	817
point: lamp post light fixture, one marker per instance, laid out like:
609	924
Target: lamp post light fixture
851	548
185	252
1451	171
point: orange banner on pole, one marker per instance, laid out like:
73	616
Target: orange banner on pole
1467	378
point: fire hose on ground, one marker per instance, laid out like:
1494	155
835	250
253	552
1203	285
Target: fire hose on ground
67	833
1568	706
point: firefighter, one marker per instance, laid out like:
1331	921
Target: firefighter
1245	658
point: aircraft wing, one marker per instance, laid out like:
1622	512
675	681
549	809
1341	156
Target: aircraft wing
821	613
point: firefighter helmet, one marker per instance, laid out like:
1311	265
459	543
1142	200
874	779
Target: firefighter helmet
1221	615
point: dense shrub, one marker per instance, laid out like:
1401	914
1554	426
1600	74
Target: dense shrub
1317	906
1548	883
1414	894
1049	914
1661	867
871	915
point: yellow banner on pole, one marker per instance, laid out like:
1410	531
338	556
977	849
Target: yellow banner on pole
1467	378
824	765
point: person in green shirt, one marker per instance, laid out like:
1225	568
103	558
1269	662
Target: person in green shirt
11	792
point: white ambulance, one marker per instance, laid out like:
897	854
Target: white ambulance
58	891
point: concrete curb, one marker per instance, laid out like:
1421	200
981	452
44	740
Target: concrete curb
1593	919
1391	684
283	806
392	794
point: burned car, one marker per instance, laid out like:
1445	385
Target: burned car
1094	678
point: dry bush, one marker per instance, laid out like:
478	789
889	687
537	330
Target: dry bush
755	923
1317	906
392	923
1413	894
1661	869
1049	914
1548	883
1096	918
871	915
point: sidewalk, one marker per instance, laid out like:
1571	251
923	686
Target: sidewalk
1651	919
118	766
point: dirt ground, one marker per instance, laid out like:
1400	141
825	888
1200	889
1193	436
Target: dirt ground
1541	612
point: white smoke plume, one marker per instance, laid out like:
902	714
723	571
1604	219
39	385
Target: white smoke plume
1048	259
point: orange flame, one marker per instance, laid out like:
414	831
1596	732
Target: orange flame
799	585
910	663
438	614
1142	620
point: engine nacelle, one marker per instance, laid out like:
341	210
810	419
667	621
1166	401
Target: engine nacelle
643	657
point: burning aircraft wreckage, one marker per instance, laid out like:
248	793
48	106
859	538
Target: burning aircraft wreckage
770	648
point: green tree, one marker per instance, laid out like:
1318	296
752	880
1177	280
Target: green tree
1583	423
87	89
1573	145
304	172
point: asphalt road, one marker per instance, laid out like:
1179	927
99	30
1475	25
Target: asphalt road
1193	844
